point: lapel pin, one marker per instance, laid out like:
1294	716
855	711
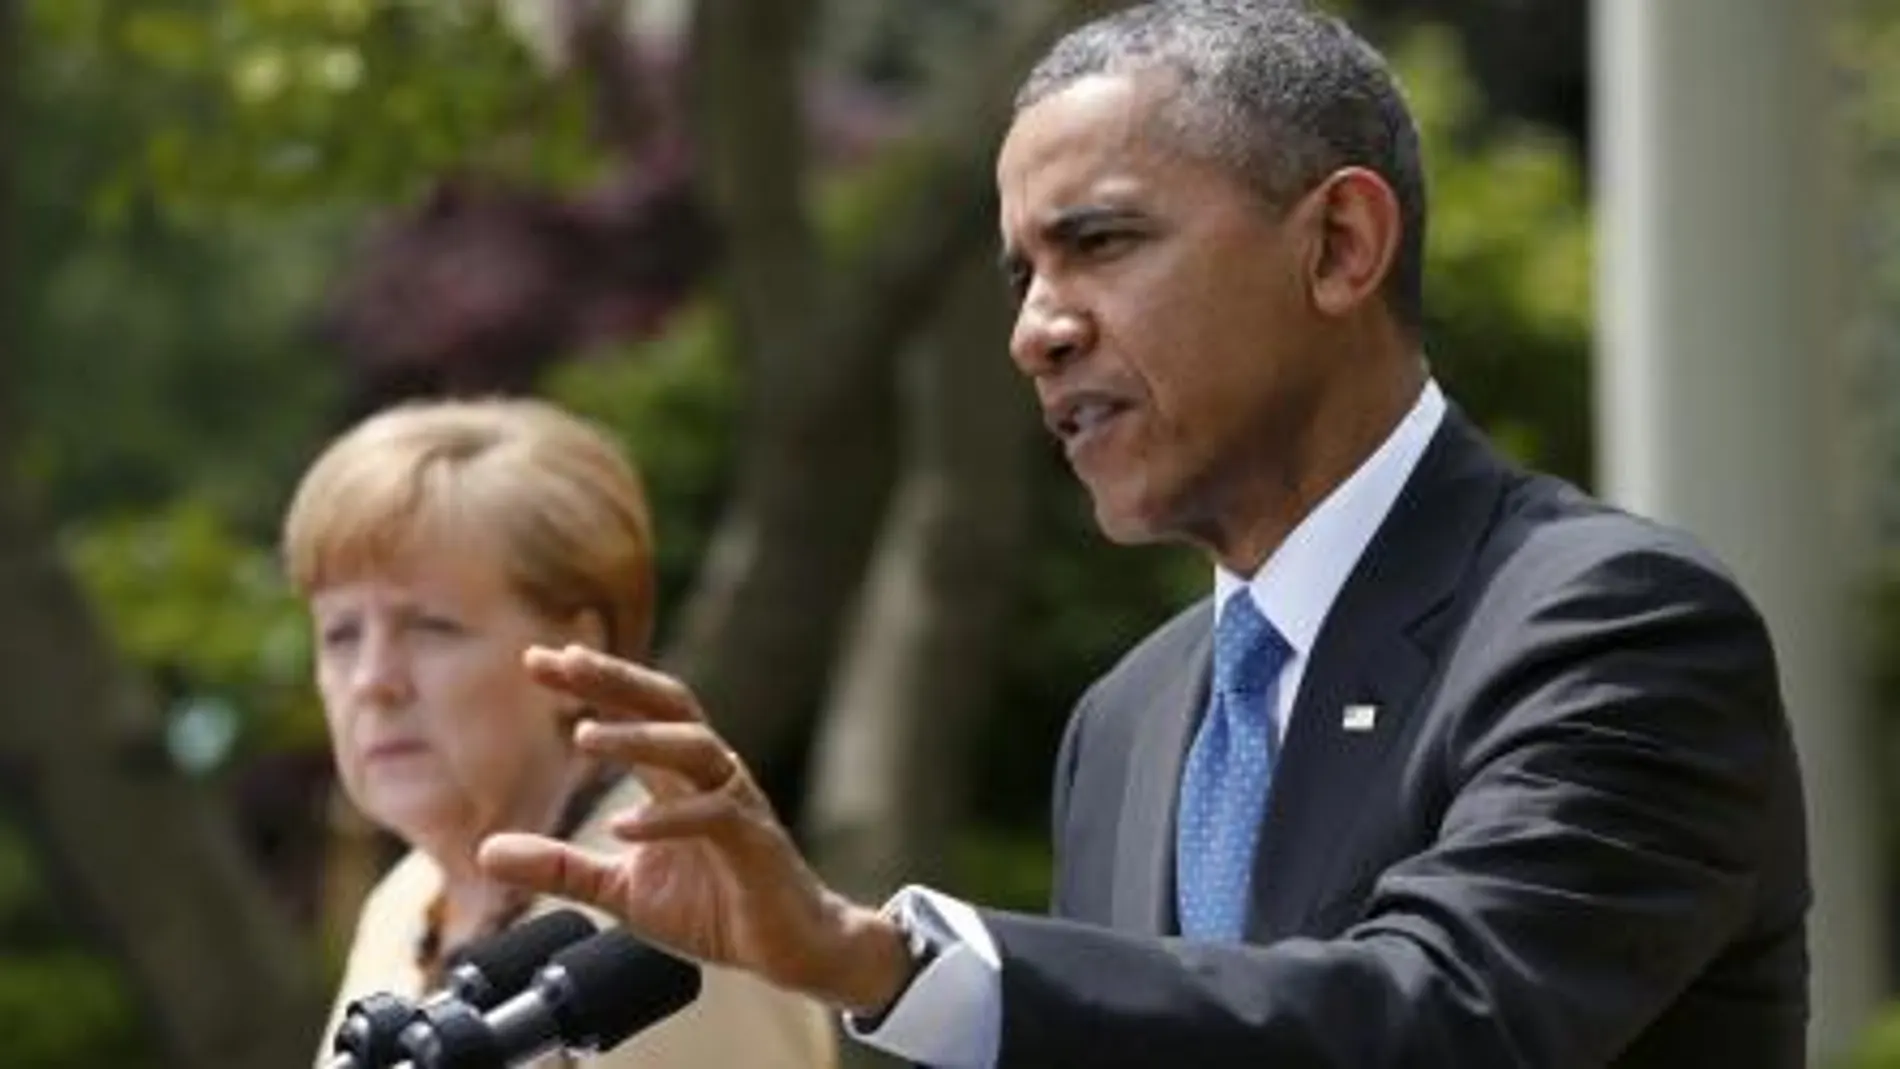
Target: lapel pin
1359	718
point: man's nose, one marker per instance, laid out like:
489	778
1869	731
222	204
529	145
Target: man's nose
1050	333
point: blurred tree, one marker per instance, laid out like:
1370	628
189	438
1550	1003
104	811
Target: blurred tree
1508	276
9	212
150	340
252	104
758	637
145	862
817	308
820	344
923	652
1866	43
481	287
1529	61
812	394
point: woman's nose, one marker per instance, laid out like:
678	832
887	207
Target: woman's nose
381	672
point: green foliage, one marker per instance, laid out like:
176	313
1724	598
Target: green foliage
170	395
1880	1047
277	102
157	356
19	879
64	1010
185	195
1866	47
1507	265
91	1021
1002	870
1085	602
207	614
674	404
162	365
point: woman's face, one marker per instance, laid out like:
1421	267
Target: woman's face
438	734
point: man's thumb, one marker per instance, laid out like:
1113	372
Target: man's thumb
547	866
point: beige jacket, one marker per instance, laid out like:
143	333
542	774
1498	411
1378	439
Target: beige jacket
737	1021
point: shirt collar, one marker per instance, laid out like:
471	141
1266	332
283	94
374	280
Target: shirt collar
1297	585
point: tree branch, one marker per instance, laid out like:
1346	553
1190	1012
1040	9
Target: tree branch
951	209
626	105
887	783
751	151
757	637
153	870
10	51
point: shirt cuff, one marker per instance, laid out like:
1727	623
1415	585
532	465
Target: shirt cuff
951	1015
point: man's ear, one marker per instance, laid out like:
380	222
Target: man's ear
1356	222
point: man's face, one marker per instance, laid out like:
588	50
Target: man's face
1165	318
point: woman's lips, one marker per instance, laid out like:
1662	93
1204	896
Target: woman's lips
395	749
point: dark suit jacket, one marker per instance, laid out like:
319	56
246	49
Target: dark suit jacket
1573	837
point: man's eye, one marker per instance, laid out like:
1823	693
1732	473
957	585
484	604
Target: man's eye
338	634
1018	282
1098	242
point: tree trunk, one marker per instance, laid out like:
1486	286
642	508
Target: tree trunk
10	51
814	470
921	664
757	637
146	865
920	660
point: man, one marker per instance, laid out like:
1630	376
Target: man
1456	767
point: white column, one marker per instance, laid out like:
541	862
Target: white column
1716	276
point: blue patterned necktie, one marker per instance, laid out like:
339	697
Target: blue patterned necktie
1228	771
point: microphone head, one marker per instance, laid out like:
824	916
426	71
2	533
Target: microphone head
489	970
451	1034
368	1033
615	985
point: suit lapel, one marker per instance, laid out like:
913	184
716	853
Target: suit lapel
1143	895
1366	653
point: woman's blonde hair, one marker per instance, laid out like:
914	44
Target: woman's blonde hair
554	493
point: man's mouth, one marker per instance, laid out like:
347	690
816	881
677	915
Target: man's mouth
1081	414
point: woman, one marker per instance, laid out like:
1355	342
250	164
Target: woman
434	543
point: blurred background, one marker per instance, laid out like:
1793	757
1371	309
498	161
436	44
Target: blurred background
757	241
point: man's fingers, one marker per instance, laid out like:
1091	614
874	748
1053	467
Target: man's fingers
548	866
616	689
695	815
690	751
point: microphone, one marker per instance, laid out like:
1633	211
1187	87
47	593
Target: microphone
486	971
591	997
481	975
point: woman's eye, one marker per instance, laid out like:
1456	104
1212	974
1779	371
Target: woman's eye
438	625
338	634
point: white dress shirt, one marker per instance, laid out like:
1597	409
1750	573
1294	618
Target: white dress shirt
951	1015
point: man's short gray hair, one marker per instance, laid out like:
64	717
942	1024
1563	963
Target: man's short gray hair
1280	93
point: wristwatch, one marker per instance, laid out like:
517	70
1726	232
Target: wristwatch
924	941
